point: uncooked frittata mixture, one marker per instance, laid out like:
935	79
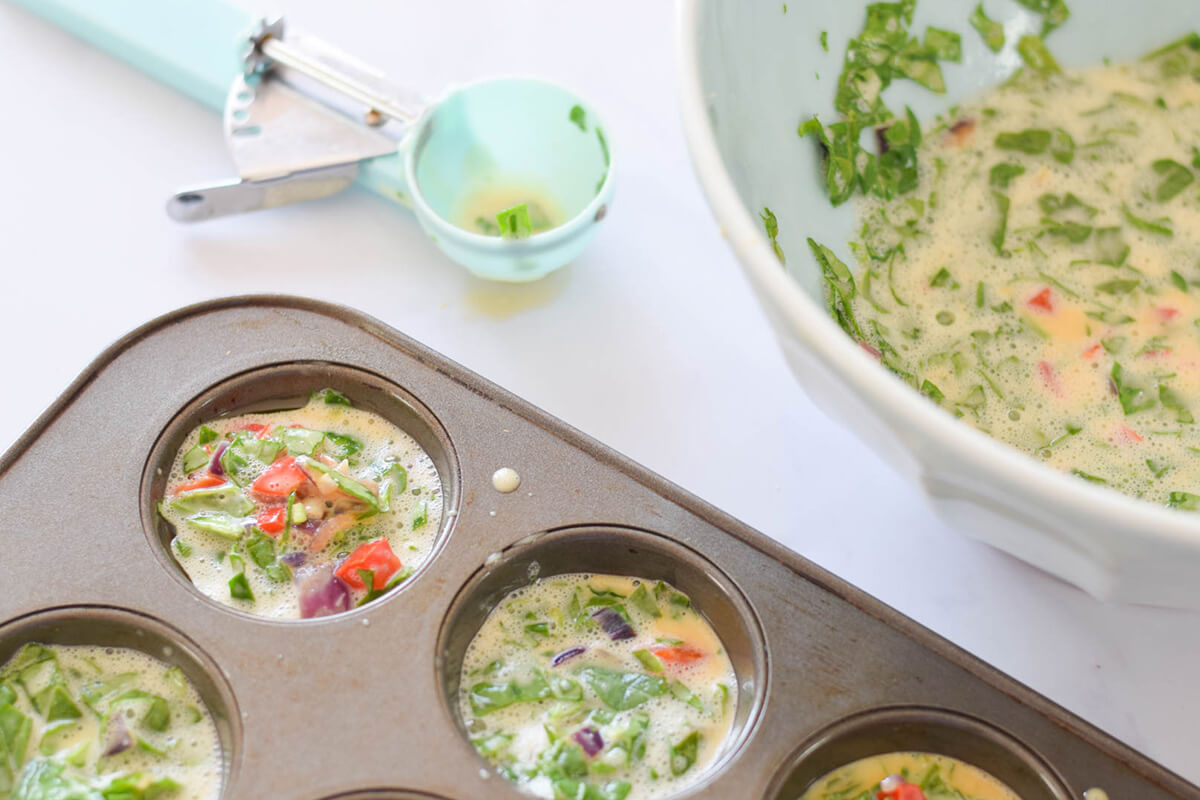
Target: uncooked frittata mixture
601	687
908	776
102	723
1031	261
302	513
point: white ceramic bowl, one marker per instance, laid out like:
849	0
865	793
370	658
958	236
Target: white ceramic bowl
749	74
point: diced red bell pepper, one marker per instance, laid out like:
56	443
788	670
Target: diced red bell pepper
375	555
1130	434
271	520
205	481
905	791
1042	301
259	430
1050	378
677	653
280	479
1166	314
1092	351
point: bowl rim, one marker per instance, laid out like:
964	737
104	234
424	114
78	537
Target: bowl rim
1140	520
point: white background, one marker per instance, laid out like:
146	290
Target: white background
651	341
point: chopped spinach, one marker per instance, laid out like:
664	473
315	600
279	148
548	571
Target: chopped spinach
992	32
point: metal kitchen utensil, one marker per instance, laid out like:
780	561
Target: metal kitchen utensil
363	705
303	120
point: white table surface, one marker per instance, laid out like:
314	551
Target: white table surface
650	342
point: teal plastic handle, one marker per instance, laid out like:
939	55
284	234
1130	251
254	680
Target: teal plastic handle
195	46
192	45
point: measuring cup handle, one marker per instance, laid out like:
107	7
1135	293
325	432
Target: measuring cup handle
193	45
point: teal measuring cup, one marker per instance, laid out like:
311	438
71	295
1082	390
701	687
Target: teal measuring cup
503	142
456	162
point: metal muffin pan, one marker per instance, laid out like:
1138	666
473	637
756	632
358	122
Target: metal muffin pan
361	706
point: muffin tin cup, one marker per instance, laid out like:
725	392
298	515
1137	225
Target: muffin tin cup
384	794
281	387
344	706
927	730
99	626
614	551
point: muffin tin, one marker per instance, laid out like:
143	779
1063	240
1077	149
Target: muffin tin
362	706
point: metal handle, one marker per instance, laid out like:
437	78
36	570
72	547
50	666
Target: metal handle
238	197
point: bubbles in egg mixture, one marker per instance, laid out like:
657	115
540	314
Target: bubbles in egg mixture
698	696
1066	328
863	777
411	527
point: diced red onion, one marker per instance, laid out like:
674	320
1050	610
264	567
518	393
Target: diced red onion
613	624
566	654
294	559
589	739
117	738
308	526
322	593
214	466
891	783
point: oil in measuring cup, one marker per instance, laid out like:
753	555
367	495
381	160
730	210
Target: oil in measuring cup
481	204
490	146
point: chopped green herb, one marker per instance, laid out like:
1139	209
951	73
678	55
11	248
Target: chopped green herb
514	222
332	397
641	600
239	587
1133	398
195	458
488	697
1054	12
841	288
579	117
1087	476
932	392
651	662
992	32
1031	140
1062	148
1175	178
622	691
943	279
683	753
944	45
1185	501
772	228
1172	401
1037	56
1001	230
338	446
1111	248
883	52
1001	175
1161	226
